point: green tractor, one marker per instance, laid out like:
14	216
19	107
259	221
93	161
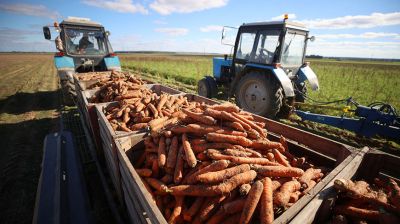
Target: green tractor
267	72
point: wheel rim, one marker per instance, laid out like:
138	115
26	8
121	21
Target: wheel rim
202	89
254	97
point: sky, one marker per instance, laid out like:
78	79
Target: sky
343	28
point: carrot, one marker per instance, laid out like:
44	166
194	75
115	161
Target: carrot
202	156
198	141
278	182
280	158
177	210
126	116
213	154
251	202
138	126
213	167
219	176
228	107
162	157
155	168
266	207
294	197
231	132
244	189
232	219
282	197
144	172
238	140
231	117
214	145
209	206
190	157
311	184
234	125
265	144
178	174
123	127
354	212
157	122
153	110
278	171
214	190
270	156
157	184
189	174
282	140
163	100
308	176
194	208
243	149
200	117
233	152
172	155
234	206
140	161
217	217
251	124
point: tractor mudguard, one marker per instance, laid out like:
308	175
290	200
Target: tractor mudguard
306	73
112	63
280	75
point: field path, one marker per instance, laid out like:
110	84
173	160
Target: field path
29	99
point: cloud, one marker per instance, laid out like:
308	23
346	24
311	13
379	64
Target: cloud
123	6
30	10
366	35
166	7
281	17
160	22
12	39
211	28
359	21
172	31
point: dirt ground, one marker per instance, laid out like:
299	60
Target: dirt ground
29	100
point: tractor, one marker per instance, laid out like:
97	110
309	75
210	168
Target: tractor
267	71
83	46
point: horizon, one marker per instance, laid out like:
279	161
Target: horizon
345	30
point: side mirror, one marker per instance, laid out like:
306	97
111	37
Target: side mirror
47	33
312	38
108	33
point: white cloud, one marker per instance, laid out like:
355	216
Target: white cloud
123	6
211	28
166	7
366	35
160	22
172	31
359	21
30	10
281	17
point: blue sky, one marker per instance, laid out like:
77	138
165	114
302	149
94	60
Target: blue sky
356	28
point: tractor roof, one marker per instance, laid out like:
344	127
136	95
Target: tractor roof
286	23
80	22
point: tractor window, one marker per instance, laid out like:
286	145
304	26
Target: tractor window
267	43
246	44
85	42
293	49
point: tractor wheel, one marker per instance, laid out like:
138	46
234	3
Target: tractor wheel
260	94
207	87
68	92
301	92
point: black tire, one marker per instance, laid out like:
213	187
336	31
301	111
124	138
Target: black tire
207	87
301	92
68	93
260	93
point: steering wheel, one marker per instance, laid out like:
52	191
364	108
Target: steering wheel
267	54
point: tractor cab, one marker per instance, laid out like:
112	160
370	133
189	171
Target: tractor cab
267	72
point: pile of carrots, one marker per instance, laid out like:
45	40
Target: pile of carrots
361	202
93	75
214	164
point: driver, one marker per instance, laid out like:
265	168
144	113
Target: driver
84	43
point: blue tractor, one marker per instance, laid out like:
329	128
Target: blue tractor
267	71
83	46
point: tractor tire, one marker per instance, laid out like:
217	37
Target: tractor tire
207	87
301	92
261	94
68	93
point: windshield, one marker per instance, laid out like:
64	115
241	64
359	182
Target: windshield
267	42
85	42
293	49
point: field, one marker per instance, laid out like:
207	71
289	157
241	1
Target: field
30	103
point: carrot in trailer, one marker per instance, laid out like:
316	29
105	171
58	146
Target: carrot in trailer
282	197
162	157
144	172
228	107
200	117
157	184
178	174
266	207
251	202
216	155
190	157
194	208
244	189
219	176
238	140
277	171
172	155
209	206
215	166
354	212
177	210
234	206
280	158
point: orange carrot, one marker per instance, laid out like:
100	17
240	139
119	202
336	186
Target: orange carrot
202	156
198	141
248	150
216	155
214	190
178	174
280	158
354	212
214	145
234	125
294	197
234	206
231	132
219	176
144	172
251	202
238	140
155	168
270	156
266	207
157	184
163	100
282	197
308	176
194	208
251	124
311	184
278	171
244	189
209	206
177	210
228	107
190	157
189	174
217	217
213	167
265	144
162	157
200	117
172	155
138	126
153	110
